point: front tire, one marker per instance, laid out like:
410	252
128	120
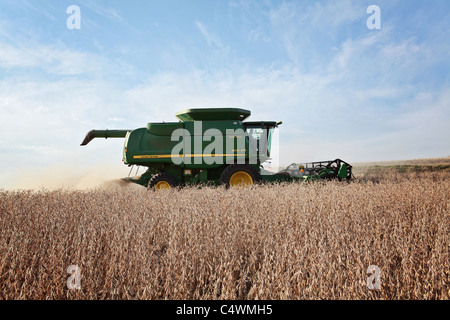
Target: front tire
161	181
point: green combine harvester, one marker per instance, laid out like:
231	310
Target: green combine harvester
211	145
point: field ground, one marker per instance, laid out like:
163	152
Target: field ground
418	165
289	241
416	162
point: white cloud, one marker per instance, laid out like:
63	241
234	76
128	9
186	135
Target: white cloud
304	27
210	38
50	59
105	11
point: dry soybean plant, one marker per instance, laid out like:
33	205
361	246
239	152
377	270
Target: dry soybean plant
288	241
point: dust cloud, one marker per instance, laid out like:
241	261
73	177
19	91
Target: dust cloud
72	178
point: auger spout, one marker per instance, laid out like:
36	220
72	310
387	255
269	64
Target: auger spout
103	134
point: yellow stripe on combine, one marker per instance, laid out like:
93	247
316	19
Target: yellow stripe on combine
165	156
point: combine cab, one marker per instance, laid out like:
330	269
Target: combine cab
213	145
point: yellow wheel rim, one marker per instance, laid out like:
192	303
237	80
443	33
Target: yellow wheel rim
162	185
241	179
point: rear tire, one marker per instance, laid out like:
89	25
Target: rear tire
240	175
162	180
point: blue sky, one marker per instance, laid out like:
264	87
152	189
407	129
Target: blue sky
341	89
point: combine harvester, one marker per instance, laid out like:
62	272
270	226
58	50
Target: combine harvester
227	151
